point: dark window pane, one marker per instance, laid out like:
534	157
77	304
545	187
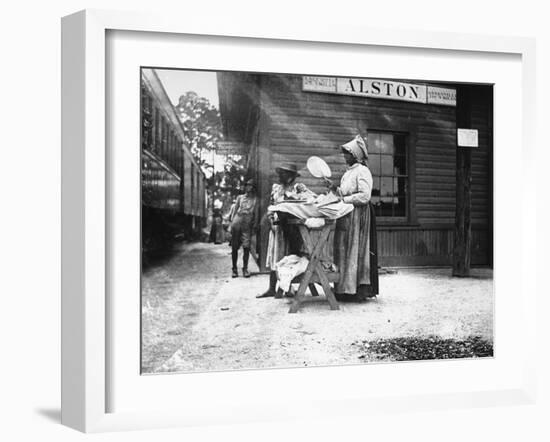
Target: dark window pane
386	144
401	185
373	143
400	206
399	143
386	186
386	208
375	186
400	165
374	164
375	201
387	165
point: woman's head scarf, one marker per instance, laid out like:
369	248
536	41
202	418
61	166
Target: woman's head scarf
358	148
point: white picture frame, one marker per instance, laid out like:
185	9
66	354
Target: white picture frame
86	202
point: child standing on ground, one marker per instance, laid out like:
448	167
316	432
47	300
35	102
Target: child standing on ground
244	220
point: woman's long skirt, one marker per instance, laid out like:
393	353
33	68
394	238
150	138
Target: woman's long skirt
276	248
355	252
286	240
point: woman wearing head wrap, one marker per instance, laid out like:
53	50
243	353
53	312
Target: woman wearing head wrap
355	251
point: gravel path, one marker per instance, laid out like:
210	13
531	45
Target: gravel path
196	318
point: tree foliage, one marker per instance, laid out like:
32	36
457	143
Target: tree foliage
202	126
201	122
227	184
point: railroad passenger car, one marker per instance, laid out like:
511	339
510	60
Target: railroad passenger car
173	186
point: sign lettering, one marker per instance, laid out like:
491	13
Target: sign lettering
377	88
319	84
441	95
230	148
390	90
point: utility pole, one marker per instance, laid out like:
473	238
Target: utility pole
463	227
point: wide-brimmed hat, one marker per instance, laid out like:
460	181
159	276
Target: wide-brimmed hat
289	167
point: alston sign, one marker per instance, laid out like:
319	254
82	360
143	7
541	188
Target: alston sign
377	88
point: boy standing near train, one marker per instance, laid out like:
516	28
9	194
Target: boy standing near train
244	221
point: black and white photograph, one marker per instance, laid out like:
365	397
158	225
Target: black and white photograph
323	221
309	220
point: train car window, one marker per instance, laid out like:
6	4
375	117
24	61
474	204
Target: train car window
159	133
164	134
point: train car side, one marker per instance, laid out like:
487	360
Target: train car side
173	187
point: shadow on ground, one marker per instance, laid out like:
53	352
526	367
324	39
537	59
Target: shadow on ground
51	414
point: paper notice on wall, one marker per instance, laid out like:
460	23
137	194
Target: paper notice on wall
467	138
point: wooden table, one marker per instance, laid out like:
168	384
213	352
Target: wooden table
314	274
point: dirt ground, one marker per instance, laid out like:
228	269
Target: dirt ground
195	317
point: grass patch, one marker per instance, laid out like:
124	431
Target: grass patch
432	347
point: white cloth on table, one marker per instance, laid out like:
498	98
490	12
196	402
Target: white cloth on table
288	268
331	207
277	246
314	223
324	206
299	210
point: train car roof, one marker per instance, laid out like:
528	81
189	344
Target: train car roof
154	85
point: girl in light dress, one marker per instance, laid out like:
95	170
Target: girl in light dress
283	240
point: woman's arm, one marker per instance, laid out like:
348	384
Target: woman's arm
363	189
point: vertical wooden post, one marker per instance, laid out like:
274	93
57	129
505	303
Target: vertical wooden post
264	173
463	230
489	98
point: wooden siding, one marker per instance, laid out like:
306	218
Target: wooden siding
482	158
432	246
302	124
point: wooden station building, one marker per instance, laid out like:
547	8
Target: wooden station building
411	130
